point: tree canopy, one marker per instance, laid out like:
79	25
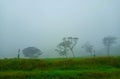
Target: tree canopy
31	52
108	42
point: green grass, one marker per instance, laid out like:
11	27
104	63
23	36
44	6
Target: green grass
61	68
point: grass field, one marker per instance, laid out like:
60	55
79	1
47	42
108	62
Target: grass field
60	68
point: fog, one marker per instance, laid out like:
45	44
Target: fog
43	24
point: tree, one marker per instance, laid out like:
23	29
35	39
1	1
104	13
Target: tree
18	56
108	42
67	44
62	48
89	48
31	52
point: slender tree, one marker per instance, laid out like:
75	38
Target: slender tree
73	41
108	42
89	48
66	45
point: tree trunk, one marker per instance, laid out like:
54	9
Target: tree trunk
108	50
66	55
18	56
91	53
94	53
73	52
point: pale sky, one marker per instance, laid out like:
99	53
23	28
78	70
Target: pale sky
43	23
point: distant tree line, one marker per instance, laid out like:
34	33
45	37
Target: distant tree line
67	45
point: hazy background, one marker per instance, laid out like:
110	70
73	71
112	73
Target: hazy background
43	24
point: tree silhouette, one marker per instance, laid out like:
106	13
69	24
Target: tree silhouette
18	56
31	52
108	42
89	48
67	44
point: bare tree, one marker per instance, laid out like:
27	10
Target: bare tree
89	48
68	44
108	42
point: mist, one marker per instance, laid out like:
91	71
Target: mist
44	23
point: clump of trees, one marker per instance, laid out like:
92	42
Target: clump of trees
108	42
31	52
67	44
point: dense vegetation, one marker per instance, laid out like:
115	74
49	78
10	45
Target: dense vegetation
70	68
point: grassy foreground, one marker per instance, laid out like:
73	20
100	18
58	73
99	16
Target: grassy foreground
71	68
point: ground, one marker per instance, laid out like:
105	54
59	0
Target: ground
61	68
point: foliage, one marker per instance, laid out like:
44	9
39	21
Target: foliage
66	45
31	52
108	41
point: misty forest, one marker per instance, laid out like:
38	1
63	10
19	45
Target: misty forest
59	39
